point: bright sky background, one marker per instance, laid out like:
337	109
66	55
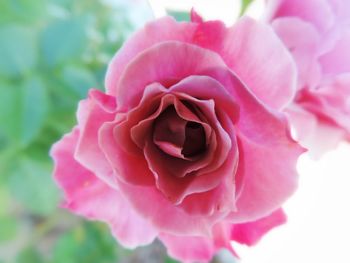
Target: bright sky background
318	230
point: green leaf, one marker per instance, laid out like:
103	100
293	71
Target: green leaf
35	108
245	5
8	104
64	40
18	52
3	141
179	15
88	244
170	260
79	79
4	201
23	109
8	224
8	229
27	11
31	183
29	255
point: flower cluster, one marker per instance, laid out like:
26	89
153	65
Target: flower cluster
317	33
191	143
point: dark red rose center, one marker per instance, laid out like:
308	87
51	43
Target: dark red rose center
178	137
194	139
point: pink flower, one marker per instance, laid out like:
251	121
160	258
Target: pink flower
317	32
187	144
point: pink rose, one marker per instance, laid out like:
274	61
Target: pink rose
187	144
317	32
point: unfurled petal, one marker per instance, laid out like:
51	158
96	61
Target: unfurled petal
166	62
164	29
263	140
303	40
88	196
317	12
197	249
337	59
250	233
152	205
274	84
92	113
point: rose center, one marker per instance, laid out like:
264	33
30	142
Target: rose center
178	137
195	139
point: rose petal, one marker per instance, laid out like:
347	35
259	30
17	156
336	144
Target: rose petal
195	17
205	34
337	60
265	190
117	144
175	177
208	88
142	135
152	205
159	64
160	30
222	198
303	40
341	8
197	249
317	12
190	248
92	113
88	196
169	133
330	101
130	167
121	149
250	233
237	46
263	140
314	133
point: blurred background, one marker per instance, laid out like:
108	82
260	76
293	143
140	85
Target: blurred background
51	53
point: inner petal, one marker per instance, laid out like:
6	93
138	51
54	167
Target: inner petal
178	137
169	132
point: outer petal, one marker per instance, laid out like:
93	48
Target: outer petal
131	168
237	46
275	82
302	39
341	8
152	204
264	140
337	60
331	101
166	62
164	29
88	196
318	135
250	233
197	249
317	12
189	248
92	113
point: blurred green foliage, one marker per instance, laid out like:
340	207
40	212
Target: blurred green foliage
244	5
51	53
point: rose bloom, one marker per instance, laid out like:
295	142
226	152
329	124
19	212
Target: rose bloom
188	143
317	32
